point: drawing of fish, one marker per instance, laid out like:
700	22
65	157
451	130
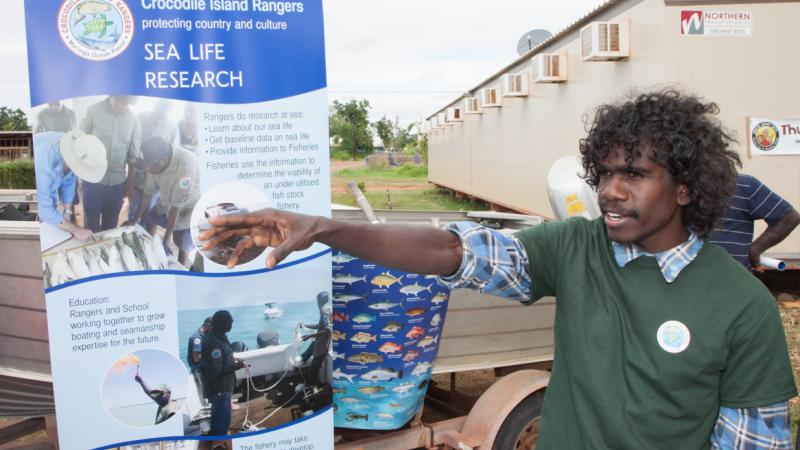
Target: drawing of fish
350	400
346	298
382	375
413	312
340	317
343	258
363	318
415	332
371	389
351	416
362	337
436	320
383	306
403	388
415	289
427	340
390	347
348	279
339	335
339	374
336	355
385	416
441	297
410	355
366	358
392	327
421	369
385	280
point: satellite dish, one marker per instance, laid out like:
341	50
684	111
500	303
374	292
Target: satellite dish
531	39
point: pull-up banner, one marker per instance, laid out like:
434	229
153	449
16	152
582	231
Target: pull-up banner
150	118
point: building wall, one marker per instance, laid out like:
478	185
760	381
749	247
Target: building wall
512	147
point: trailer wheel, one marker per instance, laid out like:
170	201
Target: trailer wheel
520	430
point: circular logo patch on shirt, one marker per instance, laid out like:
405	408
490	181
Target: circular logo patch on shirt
197	341
185	183
216	353
673	336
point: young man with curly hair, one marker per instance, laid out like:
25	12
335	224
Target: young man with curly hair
662	340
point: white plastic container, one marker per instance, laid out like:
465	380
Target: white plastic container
569	194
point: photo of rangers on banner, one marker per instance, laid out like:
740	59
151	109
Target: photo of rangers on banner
151	118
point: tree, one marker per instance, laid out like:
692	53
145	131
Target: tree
349	125
13	120
395	137
385	130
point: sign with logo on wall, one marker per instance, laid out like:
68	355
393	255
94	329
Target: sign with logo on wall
773	136
152	117
716	23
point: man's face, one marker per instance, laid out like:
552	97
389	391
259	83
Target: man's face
118	104
158	166
641	203
55	106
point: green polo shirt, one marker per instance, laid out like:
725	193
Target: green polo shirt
177	186
120	133
645	364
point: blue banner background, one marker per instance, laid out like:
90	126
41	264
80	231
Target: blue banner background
296	63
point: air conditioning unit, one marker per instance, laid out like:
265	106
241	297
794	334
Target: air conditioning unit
514	85
471	105
489	98
454	115
549	67
604	41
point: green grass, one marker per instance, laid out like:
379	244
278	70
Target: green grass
408	189
407	173
412	199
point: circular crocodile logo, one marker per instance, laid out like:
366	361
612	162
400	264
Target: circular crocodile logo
96	30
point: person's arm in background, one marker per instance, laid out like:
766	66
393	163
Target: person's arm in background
134	152
773	235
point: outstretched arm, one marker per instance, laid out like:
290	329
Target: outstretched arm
419	249
142	384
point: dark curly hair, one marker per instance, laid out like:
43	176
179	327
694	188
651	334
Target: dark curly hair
686	140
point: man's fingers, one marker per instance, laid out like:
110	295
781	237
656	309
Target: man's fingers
265	217
241	246
279	253
241	232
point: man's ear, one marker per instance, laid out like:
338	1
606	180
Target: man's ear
683	195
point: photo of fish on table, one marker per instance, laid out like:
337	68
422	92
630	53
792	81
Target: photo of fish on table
124	249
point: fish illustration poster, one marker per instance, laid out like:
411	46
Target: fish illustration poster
150	118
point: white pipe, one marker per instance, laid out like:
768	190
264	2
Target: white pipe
772	263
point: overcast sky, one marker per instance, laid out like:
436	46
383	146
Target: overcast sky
408	58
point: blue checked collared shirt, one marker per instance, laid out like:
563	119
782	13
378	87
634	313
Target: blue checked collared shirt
496	263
